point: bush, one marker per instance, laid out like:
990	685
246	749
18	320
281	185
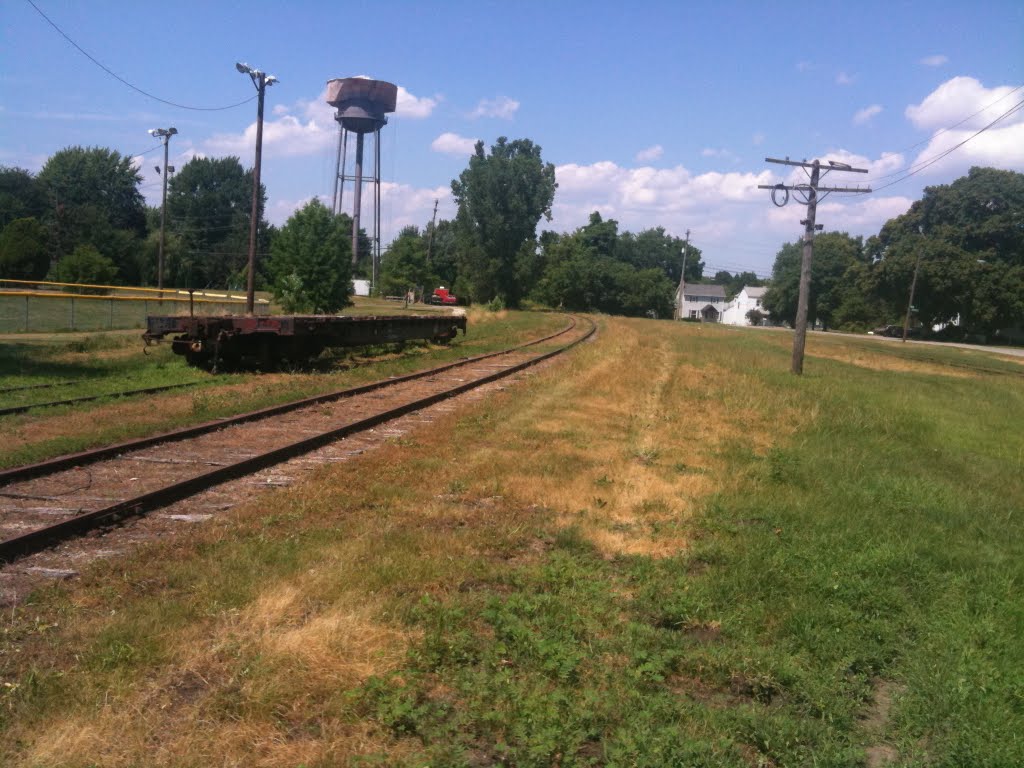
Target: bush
84	265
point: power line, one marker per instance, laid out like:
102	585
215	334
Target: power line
957	125
915	169
122	80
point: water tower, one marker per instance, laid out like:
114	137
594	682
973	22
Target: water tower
362	105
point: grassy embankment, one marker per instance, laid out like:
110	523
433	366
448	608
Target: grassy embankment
666	551
100	363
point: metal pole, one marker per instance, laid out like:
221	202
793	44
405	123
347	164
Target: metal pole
337	171
344	164
800	337
376	207
250	294
358	198
163	219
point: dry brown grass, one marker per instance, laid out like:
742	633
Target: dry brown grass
882	362
624	452
154	411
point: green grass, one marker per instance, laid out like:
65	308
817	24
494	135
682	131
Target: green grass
102	363
872	548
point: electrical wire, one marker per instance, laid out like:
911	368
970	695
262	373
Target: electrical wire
915	169
125	82
957	125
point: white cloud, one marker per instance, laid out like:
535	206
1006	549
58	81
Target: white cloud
1001	146
724	154
403	204
935	61
305	127
502	107
415	107
955	99
453	144
861	215
649	154
844	79
865	115
804	66
758	139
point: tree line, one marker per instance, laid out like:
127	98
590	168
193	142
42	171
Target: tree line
964	240
82	218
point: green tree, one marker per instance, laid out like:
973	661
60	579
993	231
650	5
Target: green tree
656	249
96	201
311	261
209	205
21	196
501	198
835	253
443	249
968	241
404	264
578	275
84	265
24	251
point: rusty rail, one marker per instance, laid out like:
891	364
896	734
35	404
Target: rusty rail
42	538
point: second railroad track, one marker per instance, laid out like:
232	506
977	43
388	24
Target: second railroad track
46	503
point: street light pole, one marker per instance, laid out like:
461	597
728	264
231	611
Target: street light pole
261	80
165	134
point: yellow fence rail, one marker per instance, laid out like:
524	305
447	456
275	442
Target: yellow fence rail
47	309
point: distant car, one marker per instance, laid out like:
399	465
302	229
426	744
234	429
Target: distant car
895	332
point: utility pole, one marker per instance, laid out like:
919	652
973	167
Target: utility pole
261	80
165	134
430	240
810	192
682	278
913	284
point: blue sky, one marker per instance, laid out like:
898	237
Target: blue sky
654	113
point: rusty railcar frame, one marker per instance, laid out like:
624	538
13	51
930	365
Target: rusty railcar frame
267	341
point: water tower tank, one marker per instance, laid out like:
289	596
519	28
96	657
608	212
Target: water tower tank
362	104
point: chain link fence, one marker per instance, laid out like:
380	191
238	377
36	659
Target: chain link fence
49	307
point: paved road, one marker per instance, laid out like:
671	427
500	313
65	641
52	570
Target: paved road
1010	351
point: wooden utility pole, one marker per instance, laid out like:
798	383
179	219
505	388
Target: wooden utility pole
810	193
430	240
913	285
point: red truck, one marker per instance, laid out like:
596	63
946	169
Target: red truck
442	296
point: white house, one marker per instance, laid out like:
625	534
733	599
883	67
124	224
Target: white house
700	301
735	312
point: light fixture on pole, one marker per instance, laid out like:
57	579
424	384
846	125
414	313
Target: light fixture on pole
261	80
165	134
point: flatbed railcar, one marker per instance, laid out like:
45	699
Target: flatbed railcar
231	341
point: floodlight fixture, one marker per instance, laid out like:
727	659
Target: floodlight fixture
165	134
260	80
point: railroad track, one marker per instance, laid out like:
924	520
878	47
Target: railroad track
108	395
44	504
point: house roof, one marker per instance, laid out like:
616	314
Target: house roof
704	289
755	293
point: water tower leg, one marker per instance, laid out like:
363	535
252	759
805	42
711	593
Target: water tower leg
359	198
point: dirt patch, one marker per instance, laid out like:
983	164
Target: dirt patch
877	362
875	721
